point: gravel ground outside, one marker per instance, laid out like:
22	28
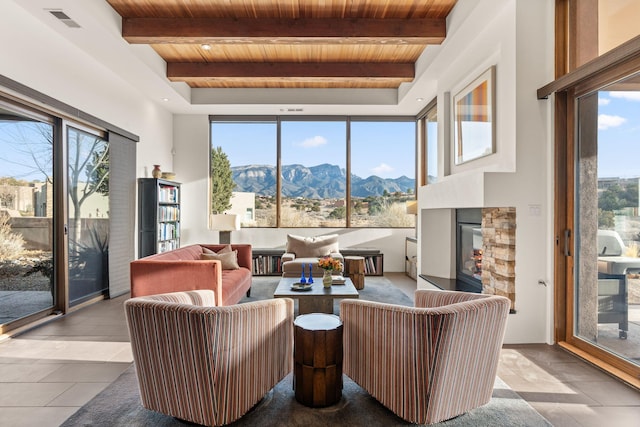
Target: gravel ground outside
21	274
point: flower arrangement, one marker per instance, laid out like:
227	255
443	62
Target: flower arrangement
328	263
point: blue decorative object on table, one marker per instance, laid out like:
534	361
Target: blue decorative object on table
310	273
302	279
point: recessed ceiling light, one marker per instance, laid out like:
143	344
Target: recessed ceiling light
205	46
419	99
165	99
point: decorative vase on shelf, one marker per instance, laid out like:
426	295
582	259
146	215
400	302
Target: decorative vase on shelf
326	279
156	172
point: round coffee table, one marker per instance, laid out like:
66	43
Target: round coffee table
317	354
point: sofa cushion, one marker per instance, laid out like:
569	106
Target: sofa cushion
229	260
312	246
224	250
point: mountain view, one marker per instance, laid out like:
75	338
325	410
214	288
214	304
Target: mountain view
323	181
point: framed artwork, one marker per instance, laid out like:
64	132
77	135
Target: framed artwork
474	119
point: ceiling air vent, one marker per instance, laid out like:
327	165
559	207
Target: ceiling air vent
64	18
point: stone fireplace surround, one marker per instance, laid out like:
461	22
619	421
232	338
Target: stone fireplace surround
499	252
498	246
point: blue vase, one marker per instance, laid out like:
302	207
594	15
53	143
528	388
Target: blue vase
310	273
302	279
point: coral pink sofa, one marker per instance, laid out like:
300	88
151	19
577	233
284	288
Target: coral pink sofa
183	270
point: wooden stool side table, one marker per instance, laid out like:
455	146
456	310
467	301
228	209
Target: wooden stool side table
317	354
354	267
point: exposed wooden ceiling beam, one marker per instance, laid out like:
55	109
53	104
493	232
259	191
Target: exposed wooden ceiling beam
307	31
182	71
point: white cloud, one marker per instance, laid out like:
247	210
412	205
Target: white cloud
606	121
315	141
630	96
382	168
603	101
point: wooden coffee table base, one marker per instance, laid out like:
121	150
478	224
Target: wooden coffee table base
315	305
317	375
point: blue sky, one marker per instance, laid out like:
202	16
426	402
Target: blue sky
20	142
619	134
384	149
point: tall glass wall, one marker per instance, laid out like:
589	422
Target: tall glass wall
26	213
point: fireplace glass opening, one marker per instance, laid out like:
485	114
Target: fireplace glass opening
469	249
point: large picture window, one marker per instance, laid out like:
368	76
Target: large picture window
251	148
303	172
313	174
382	173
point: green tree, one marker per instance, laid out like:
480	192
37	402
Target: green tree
375	207
222	184
606	220
338	213
609	200
630	195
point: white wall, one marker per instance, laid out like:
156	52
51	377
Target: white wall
520	173
191	139
36	56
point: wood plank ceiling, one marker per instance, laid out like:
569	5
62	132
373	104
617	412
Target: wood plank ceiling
286	43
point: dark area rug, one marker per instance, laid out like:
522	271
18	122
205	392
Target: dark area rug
119	404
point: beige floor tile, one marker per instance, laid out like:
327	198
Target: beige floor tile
555	414
26	373
87	373
125	356
35	417
31	394
610	393
623	416
575	372
81	351
79	394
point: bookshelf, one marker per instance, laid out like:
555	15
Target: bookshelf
373	259
158	216
268	262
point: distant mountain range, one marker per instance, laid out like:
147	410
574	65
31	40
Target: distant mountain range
324	181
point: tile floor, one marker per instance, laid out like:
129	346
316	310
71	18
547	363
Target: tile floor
49	372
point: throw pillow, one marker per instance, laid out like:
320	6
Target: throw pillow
312	246
229	260
227	249
221	251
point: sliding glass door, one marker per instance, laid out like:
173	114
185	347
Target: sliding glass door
27	284
606	285
54	214
88	183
